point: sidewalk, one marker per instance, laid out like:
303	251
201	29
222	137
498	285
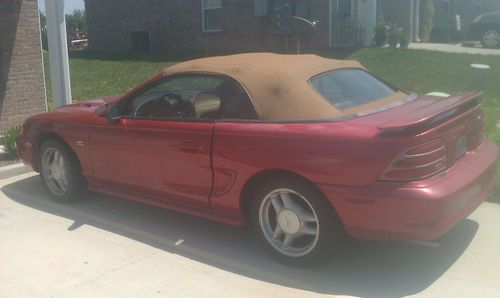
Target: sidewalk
450	48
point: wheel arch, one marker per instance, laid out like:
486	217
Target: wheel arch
50	135
488	27
252	183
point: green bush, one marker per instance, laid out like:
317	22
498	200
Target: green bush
446	32
441	33
394	37
380	37
457	36
404	40
8	140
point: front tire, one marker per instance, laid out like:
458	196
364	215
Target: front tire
491	38
60	172
294	221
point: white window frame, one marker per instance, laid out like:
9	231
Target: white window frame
203	9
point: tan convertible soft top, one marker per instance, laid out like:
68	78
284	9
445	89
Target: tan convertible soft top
277	84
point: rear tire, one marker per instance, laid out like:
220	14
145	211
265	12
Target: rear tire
60	172
491	38
295	222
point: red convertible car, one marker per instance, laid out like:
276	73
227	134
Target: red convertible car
307	149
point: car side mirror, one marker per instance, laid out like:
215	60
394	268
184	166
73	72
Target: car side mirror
114	113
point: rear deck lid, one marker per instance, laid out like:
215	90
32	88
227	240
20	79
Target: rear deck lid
428	111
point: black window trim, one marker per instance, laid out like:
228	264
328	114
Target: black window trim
390	85
410	95
187	74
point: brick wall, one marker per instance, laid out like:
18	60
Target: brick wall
175	25
22	90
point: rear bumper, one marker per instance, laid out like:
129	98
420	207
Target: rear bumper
422	210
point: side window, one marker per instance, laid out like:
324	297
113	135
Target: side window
349	88
236	104
184	97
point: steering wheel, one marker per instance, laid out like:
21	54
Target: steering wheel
166	105
181	108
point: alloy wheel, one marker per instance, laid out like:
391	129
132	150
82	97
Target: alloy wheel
55	171
289	223
491	38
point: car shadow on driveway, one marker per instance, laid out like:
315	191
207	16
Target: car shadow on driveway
362	268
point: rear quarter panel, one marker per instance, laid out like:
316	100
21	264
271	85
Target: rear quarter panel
335	153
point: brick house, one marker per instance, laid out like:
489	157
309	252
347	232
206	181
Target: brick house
205	25
22	89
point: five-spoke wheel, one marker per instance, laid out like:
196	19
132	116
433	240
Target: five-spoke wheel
55	171
289	222
294	220
60	171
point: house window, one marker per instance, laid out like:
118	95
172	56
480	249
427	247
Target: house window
211	15
301	8
345	8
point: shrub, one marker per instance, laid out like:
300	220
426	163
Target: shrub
8	140
380	37
455	35
394	37
404	41
440	33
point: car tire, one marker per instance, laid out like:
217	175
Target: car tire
491	38
60	172
295	222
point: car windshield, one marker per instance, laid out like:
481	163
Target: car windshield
349	88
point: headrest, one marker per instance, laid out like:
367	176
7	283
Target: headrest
207	104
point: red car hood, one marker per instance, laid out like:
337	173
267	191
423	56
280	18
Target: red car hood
87	105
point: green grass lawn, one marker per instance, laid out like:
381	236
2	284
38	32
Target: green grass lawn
98	74
426	71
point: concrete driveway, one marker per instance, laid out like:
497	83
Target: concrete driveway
106	247
454	48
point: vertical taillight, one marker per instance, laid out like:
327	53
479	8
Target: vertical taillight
418	162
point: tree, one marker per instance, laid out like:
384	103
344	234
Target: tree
76	22
427	19
43	31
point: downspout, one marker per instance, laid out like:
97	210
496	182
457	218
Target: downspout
412	20
330	22
371	20
417	21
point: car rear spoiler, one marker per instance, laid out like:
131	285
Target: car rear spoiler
438	110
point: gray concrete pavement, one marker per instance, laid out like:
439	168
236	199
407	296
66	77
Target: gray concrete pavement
106	247
13	170
454	48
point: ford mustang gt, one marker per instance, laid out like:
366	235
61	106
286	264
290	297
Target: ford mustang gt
306	149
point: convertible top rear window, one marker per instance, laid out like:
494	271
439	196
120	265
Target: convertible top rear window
349	88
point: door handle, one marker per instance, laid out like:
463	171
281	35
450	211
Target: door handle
191	147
